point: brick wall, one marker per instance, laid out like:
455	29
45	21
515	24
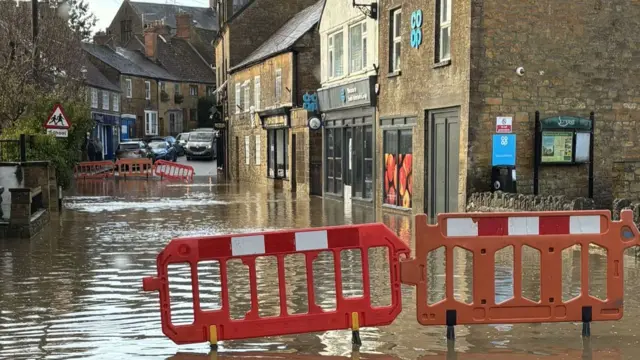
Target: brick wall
561	77
505	202
424	85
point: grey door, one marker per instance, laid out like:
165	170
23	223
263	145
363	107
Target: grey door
443	147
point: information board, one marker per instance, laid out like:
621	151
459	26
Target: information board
557	147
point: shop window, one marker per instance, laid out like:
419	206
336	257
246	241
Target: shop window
398	168
334	161
277	153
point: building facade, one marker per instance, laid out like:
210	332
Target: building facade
347	99
273	98
104	100
450	69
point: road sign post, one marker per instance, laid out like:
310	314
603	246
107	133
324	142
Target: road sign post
58	123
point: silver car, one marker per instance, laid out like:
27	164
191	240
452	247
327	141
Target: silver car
201	145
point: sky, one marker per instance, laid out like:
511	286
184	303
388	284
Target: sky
105	10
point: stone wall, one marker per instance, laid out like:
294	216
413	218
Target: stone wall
506	202
626	179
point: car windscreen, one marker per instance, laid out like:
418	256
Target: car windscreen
158	145
184	136
128	146
201	137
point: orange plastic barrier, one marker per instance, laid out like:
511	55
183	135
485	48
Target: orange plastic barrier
217	325
173	171
134	167
94	169
483	234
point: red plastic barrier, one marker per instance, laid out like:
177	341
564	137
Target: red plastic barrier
142	167
217	324
94	169
173	171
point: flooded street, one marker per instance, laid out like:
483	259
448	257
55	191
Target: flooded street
75	291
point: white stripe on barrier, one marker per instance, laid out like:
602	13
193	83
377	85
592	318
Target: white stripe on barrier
247	245
462	227
524	226
311	240
584	224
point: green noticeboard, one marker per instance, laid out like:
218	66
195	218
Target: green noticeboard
557	147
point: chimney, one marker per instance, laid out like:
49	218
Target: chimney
151	33
101	38
183	25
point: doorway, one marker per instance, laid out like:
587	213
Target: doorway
237	159
294	161
348	174
442	163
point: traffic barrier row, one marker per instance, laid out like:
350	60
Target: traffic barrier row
481	234
94	169
173	171
127	168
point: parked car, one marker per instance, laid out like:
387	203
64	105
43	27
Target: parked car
181	143
131	150
201	145
162	150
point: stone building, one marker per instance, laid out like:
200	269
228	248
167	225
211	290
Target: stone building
347	100
448	70
272	93
104	100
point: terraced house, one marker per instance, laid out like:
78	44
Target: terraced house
104	99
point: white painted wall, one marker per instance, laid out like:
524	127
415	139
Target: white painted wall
340	14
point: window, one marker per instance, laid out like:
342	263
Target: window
334	161
277	153
116	102
258	150
361	167
172	123
358	47
443	40
278	85
162	86
151	122
176	89
193	115
125	30
105	100
238	98
193	90
256	92
247	96
396	39
147	90
397	168
94	98
210	90
247	150
129	88
335	55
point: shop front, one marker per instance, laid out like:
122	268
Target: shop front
106	130
277	123
348	113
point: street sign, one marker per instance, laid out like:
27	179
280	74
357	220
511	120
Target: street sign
58	124
504	125
504	150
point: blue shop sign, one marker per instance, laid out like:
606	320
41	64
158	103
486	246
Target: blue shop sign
106	119
504	150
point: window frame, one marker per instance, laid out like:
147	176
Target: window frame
363	47
129	86
258	149
256	92
247	96
193	90
115	101
442	24
395	39
147	90
151	128
398	131
94	98
278	85
106	104
272	135
237	102
332	54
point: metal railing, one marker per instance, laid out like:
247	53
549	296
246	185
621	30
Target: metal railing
13	149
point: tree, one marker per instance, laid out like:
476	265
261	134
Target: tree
81	20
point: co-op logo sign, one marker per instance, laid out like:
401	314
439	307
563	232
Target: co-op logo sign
416	29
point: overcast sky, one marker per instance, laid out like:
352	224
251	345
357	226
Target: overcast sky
105	10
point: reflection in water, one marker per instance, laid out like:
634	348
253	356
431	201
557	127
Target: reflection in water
76	289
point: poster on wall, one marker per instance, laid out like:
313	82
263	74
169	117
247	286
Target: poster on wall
557	147
398	180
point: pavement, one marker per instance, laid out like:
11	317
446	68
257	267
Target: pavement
201	167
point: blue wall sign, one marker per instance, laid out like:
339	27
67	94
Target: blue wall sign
504	150
310	102
416	29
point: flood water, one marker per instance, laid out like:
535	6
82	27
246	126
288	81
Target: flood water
75	291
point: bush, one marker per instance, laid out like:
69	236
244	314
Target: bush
63	153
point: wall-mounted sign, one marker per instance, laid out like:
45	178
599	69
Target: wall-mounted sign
275	122
310	102
220	125
315	123
357	93
504	150
416	31
504	125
